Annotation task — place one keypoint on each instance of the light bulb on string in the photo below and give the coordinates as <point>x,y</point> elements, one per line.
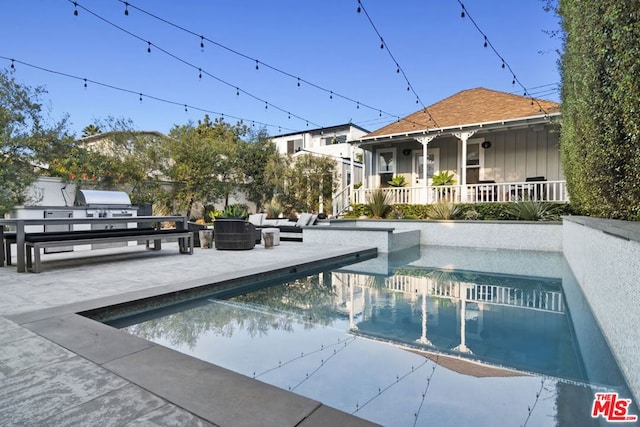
<point>85,83</point>
<point>75,11</point>
<point>298,81</point>
<point>331,95</point>
<point>514,80</point>
<point>486,42</point>
<point>185,108</point>
<point>289,116</point>
<point>381,43</point>
<point>13,67</point>
<point>237,91</point>
<point>257,66</point>
<point>126,9</point>
<point>202,43</point>
<point>266,105</point>
<point>503,65</point>
<point>462,14</point>
<point>200,73</point>
<point>380,113</point>
<point>359,9</point>
<point>358,105</point>
<point>140,97</point>
<point>148,47</point>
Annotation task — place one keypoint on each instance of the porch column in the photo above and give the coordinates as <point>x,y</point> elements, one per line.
<point>425,140</point>
<point>463,136</point>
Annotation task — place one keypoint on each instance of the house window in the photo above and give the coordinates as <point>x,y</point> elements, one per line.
<point>473,155</point>
<point>340,139</point>
<point>294,145</point>
<point>386,162</point>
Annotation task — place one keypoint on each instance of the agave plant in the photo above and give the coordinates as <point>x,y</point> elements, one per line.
<point>235,211</point>
<point>444,210</point>
<point>529,210</point>
<point>378,202</point>
<point>398,181</point>
<point>273,210</point>
<point>444,178</point>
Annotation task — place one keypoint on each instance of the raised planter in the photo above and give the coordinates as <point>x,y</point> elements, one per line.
<point>234,234</point>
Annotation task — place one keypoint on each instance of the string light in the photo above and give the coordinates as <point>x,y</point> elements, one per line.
<point>201,42</point>
<point>399,69</point>
<point>85,83</point>
<point>12,64</point>
<point>126,9</point>
<point>359,9</point>
<point>200,73</point>
<point>148,47</point>
<point>299,79</point>
<point>257,66</point>
<point>504,64</point>
<point>140,94</point>
<point>184,61</point>
<point>75,11</point>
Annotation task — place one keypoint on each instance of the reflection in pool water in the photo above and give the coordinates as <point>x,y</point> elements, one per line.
<point>416,346</point>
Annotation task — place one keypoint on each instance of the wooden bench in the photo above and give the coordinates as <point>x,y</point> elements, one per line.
<point>36,241</point>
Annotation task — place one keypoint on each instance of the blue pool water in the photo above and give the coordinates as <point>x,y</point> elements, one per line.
<point>410,341</point>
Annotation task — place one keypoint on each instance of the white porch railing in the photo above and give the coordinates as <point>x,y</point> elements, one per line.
<point>548,191</point>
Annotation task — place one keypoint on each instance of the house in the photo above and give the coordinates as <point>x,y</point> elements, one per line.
<point>498,147</point>
<point>335,142</point>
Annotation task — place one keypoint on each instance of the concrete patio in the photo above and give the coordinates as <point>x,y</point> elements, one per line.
<point>60,368</point>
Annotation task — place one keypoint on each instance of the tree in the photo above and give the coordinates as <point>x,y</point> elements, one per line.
<point>304,181</point>
<point>27,142</point>
<point>255,157</point>
<point>90,130</point>
<point>205,162</point>
<point>600,139</point>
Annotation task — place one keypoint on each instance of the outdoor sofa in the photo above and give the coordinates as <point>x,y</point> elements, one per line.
<point>290,228</point>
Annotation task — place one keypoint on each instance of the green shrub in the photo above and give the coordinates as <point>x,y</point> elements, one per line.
<point>600,138</point>
<point>443,178</point>
<point>444,210</point>
<point>378,201</point>
<point>528,210</point>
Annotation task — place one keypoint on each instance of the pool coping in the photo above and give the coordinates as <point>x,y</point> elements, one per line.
<point>213,393</point>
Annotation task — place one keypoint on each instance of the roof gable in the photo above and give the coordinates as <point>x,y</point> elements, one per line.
<point>468,107</point>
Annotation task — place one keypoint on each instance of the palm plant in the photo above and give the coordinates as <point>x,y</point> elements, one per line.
<point>235,211</point>
<point>378,202</point>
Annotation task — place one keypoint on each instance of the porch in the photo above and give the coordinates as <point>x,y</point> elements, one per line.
<point>543,191</point>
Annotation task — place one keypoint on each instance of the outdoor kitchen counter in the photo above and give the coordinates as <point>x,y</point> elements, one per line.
<point>19,225</point>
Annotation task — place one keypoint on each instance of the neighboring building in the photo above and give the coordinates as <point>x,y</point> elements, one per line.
<point>336,142</point>
<point>494,143</point>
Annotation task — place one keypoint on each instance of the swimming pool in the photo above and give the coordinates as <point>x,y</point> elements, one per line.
<point>409,340</point>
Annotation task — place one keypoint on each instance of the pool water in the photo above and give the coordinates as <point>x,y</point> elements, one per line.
<point>414,345</point>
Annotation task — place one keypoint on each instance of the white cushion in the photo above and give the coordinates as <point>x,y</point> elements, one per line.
<point>313,220</point>
<point>284,222</point>
<point>303,219</point>
<point>256,219</point>
<point>270,221</point>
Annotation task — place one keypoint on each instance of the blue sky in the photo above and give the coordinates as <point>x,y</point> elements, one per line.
<point>326,43</point>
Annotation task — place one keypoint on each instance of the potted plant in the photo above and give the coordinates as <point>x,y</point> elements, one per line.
<point>232,231</point>
<point>443,178</point>
<point>398,181</point>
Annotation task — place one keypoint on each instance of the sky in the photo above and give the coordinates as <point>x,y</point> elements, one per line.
<point>333,51</point>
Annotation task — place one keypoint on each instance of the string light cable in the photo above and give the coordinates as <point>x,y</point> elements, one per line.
<point>195,67</point>
<point>299,80</point>
<point>141,95</point>
<point>504,64</point>
<point>384,45</point>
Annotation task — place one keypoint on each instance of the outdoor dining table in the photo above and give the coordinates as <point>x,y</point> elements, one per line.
<point>19,224</point>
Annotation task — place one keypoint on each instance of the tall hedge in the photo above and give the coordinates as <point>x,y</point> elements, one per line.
<point>600,139</point>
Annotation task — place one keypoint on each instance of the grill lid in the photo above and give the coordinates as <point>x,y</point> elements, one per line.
<point>102,198</point>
